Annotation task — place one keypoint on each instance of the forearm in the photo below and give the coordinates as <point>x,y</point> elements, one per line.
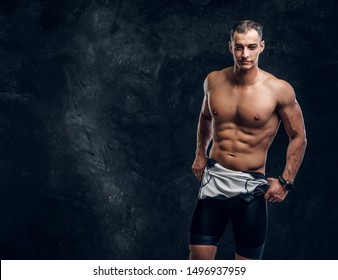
<point>294,157</point>
<point>203,135</point>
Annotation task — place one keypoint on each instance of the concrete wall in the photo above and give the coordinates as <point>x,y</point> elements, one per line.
<point>99,102</point>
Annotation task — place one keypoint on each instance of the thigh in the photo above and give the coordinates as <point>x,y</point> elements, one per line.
<point>208,222</point>
<point>250,223</point>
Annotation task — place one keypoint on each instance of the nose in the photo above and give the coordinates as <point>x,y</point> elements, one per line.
<point>245,53</point>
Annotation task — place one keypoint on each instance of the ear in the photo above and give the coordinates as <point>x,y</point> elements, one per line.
<point>231,47</point>
<point>262,45</point>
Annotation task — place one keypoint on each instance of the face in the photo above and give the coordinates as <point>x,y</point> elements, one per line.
<point>245,48</point>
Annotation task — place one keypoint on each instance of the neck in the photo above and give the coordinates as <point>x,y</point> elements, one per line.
<point>245,76</point>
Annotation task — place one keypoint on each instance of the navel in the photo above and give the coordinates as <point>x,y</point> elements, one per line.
<point>214,112</point>
<point>257,118</point>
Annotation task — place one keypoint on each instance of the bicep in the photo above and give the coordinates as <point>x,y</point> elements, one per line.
<point>291,116</point>
<point>205,111</point>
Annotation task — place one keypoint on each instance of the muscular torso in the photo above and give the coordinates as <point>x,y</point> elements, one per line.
<point>244,120</point>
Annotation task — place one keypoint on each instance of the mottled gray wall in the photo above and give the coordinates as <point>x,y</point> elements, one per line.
<point>99,103</point>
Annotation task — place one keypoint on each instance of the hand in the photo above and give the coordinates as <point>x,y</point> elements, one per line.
<point>198,166</point>
<point>276,192</point>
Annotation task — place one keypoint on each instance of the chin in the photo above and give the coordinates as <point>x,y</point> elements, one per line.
<point>245,67</point>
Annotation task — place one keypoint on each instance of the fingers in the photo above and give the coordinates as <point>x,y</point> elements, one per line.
<point>276,196</point>
<point>197,173</point>
<point>274,199</point>
<point>275,193</point>
<point>198,166</point>
<point>197,170</point>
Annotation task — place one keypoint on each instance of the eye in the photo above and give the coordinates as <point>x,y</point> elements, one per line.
<point>252,47</point>
<point>238,47</point>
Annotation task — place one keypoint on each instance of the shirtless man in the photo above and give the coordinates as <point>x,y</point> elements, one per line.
<point>241,112</point>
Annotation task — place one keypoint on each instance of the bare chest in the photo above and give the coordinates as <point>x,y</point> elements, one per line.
<point>250,108</point>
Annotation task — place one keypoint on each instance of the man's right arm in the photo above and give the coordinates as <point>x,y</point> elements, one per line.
<point>203,135</point>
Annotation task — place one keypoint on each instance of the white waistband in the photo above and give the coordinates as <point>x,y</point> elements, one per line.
<point>220,181</point>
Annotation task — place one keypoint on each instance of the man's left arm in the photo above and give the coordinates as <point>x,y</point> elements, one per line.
<point>292,119</point>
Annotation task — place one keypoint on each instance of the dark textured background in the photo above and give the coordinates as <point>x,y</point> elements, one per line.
<point>99,102</point>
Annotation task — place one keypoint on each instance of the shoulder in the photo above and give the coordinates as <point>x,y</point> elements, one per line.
<point>281,89</point>
<point>219,74</point>
<point>216,77</point>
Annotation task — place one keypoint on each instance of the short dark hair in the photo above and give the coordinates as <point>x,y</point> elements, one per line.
<point>244,26</point>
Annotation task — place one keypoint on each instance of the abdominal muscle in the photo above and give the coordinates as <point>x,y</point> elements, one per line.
<point>236,150</point>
